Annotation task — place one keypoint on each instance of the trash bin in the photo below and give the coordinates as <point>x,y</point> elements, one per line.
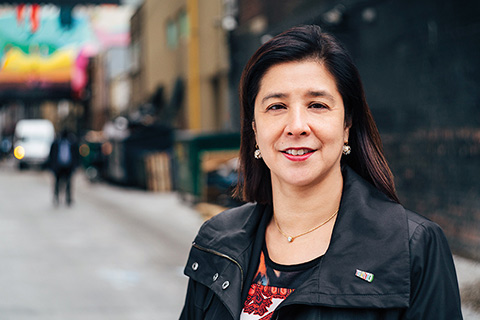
<point>190,149</point>
<point>126,164</point>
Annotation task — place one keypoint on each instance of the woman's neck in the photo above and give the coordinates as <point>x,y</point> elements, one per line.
<point>298,209</point>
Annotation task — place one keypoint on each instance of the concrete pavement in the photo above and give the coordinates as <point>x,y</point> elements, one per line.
<point>468,273</point>
<point>115,254</point>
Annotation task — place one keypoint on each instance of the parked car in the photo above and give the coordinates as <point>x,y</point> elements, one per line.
<point>32,142</point>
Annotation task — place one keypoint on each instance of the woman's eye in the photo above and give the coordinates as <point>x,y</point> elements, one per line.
<point>318,106</point>
<point>276,107</point>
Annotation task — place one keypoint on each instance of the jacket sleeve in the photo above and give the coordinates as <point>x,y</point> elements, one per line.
<point>434,290</point>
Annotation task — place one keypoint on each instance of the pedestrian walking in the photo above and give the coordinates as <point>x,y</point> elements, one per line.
<point>324,235</point>
<point>63,159</point>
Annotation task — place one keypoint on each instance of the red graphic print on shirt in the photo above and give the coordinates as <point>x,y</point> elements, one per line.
<point>262,298</point>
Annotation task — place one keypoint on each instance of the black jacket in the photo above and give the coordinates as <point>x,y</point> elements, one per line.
<point>414,274</point>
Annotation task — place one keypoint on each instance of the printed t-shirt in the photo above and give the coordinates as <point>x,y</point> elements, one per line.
<point>272,284</point>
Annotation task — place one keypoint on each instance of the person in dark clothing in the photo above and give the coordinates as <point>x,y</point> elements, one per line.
<point>324,235</point>
<point>63,159</point>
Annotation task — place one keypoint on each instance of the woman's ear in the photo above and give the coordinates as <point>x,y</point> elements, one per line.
<point>254,127</point>
<point>346,132</point>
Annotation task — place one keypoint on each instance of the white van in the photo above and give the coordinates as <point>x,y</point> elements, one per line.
<point>32,142</point>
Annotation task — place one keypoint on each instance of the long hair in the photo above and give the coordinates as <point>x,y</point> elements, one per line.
<point>298,44</point>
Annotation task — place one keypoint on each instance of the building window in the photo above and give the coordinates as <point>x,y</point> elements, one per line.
<point>135,56</point>
<point>172,34</point>
<point>184,25</point>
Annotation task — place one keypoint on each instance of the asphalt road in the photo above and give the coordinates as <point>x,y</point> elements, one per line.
<point>115,253</point>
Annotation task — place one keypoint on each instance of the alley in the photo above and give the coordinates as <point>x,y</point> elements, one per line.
<point>115,254</point>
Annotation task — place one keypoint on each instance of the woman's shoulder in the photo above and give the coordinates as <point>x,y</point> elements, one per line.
<point>234,221</point>
<point>420,226</point>
<point>231,215</point>
<point>429,248</point>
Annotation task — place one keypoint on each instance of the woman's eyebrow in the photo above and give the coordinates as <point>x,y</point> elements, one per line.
<point>321,93</point>
<point>275,95</point>
<point>311,93</point>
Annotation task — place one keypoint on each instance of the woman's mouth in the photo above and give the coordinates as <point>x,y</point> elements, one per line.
<point>298,154</point>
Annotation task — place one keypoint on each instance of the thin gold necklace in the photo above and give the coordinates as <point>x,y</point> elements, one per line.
<point>290,238</point>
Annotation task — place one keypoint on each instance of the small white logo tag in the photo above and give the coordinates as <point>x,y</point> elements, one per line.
<point>364,275</point>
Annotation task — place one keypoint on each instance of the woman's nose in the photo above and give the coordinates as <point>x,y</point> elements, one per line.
<point>297,123</point>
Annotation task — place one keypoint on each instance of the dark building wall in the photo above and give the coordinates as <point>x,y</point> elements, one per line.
<point>420,64</point>
<point>420,61</point>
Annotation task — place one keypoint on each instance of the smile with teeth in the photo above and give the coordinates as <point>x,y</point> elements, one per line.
<point>298,152</point>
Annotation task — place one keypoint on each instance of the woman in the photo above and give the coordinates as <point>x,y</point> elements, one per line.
<point>325,236</point>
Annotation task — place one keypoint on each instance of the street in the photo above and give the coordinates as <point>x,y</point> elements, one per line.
<point>116,253</point>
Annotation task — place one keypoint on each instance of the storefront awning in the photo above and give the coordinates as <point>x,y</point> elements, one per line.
<point>60,3</point>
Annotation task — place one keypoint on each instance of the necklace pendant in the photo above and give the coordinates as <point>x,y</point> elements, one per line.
<point>289,239</point>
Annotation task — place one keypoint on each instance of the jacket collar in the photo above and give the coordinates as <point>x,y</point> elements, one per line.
<point>227,250</point>
<point>370,235</point>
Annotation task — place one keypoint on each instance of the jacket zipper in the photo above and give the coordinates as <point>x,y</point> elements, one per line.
<point>223,256</point>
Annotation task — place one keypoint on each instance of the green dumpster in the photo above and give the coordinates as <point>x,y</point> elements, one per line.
<point>190,149</point>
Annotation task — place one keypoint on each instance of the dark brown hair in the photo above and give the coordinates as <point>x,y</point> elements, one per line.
<point>297,44</point>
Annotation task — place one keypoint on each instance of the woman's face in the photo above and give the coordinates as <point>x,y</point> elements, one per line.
<point>299,123</point>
